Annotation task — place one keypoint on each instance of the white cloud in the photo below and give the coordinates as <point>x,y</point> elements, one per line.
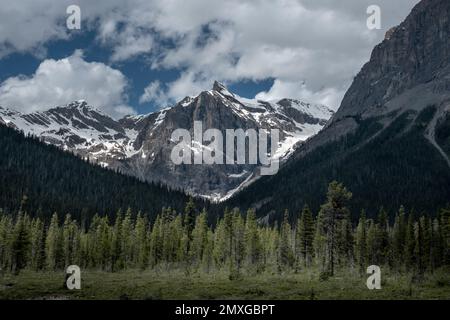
<point>58,82</point>
<point>154,93</point>
<point>321,42</point>
<point>330,97</point>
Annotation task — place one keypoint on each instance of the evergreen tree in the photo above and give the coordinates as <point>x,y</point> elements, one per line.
<point>410,241</point>
<point>140,240</point>
<point>305,237</point>
<point>252,242</point>
<point>383,237</point>
<point>127,239</point>
<point>69,236</point>
<point>361,243</point>
<point>333,212</point>
<point>116,246</point>
<point>199,238</point>
<point>372,244</point>
<point>6,225</point>
<point>53,247</point>
<point>286,255</point>
<point>37,259</point>
<point>445,231</point>
<point>21,243</point>
<point>399,238</point>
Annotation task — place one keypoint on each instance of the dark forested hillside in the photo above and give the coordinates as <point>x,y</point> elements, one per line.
<point>397,166</point>
<point>57,181</point>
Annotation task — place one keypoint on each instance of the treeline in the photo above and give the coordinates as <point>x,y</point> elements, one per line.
<point>238,244</point>
<point>390,166</point>
<point>58,181</point>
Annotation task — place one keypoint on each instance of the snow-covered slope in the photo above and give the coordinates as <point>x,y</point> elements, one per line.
<point>141,145</point>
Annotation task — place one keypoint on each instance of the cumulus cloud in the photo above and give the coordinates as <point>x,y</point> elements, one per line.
<point>298,90</point>
<point>154,92</point>
<point>58,82</point>
<point>321,42</point>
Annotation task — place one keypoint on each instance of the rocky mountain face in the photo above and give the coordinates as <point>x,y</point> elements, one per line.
<point>141,145</point>
<point>389,141</point>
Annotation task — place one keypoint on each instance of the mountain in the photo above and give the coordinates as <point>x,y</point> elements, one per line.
<point>56,181</point>
<point>141,146</point>
<point>389,142</point>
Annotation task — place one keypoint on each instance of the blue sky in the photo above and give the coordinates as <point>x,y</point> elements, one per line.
<point>137,56</point>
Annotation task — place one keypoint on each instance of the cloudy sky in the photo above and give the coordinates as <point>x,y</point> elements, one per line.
<point>136,56</point>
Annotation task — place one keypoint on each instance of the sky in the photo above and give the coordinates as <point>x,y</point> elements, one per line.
<point>137,56</point>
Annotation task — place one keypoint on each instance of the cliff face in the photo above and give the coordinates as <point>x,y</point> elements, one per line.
<point>417,52</point>
<point>389,142</point>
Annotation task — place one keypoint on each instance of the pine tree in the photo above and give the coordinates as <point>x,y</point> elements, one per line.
<point>333,212</point>
<point>436,245</point>
<point>116,246</point>
<point>53,247</point>
<point>372,244</point>
<point>399,238</point>
<point>445,235</point>
<point>21,243</point>
<point>286,255</point>
<point>37,259</point>
<point>156,242</point>
<point>410,241</point>
<point>252,242</point>
<point>199,238</point>
<point>418,246</point>
<point>305,237</point>
<point>6,225</point>
<point>427,241</point>
<point>140,240</point>
<point>383,237</point>
<point>127,239</point>
<point>69,236</point>
<point>361,243</point>
<point>221,244</point>
<point>238,247</point>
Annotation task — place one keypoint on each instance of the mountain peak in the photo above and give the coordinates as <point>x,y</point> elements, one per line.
<point>221,88</point>
<point>217,86</point>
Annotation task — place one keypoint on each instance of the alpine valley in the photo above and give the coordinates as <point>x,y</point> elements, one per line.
<point>141,146</point>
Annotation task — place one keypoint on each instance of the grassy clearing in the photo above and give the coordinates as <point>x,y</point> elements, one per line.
<point>176,285</point>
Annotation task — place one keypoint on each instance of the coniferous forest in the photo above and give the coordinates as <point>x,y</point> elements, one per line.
<point>52,180</point>
<point>59,210</point>
<point>237,244</point>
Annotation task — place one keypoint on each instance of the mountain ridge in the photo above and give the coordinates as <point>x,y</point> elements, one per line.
<point>140,145</point>
<point>389,140</point>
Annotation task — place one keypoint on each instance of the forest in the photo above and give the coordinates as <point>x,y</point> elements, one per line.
<point>238,244</point>
<point>53,180</point>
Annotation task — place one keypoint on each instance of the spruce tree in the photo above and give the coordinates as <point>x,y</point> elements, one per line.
<point>252,242</point>
<point>410,241</point>
<point>445,235</point>
<point>399,238</point>
<point>361,243</point>
<point>140,240</point>
<point>21,243</point>
<point>53,245</point>
<point>286,255</point>
<point>383,236</point>
<point>37,259</point>
<point>199,238</point>
<point>304,237</point>
<point>333,212</point>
